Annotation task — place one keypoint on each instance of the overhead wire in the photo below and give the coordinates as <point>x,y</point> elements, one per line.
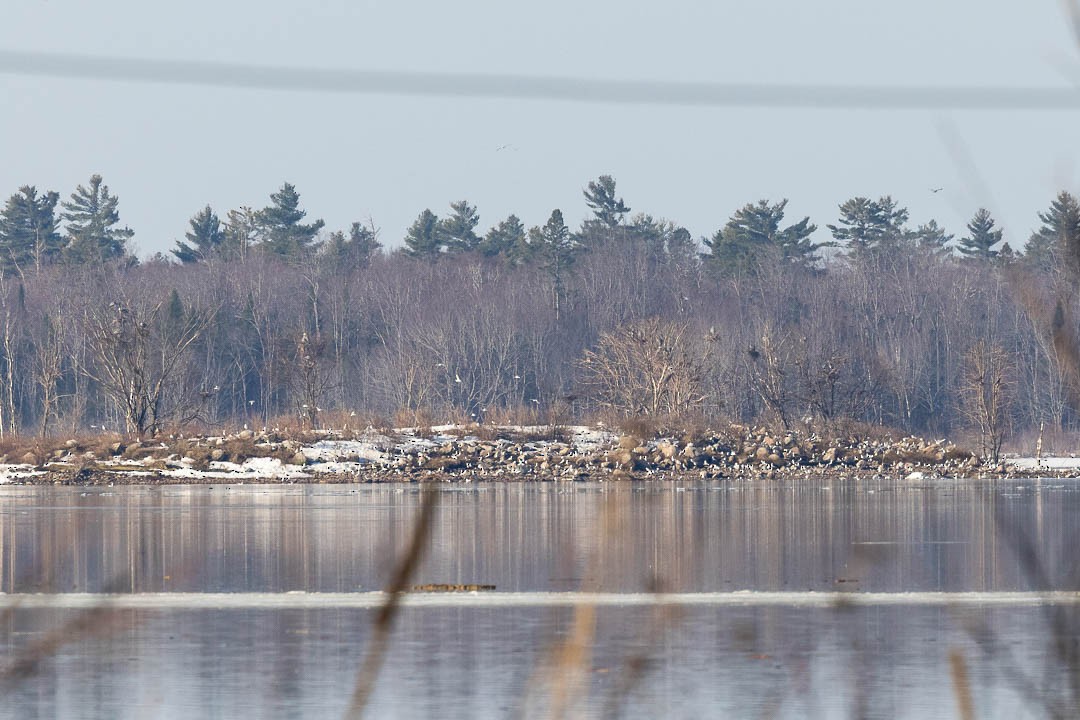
<point>538,87</point>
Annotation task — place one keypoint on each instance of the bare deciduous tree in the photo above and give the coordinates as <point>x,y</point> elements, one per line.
<point>138,342</point>
<point>651,367</point>
<point>987,394</point>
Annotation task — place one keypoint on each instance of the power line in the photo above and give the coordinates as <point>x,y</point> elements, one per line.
<point>530,87</point>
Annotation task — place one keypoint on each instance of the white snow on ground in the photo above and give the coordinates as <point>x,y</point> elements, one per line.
<point>17,472</point>
<point>335,450</point>
<point>349,457</point>
<point>339,457</point>
<point>582,437</point>
<point>251,469</point>
<point>587,439</point>
<point>1049,463</point>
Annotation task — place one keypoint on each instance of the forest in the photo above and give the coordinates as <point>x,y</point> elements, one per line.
<point>264,317</point>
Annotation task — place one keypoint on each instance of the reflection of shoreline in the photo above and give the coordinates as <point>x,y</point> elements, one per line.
<point>370,600</point>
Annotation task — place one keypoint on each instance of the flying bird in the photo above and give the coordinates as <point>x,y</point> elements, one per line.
<point>936,190</point>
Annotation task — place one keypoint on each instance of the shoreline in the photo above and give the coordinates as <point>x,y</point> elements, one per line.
<point>465,454</point>
<point>102,478</point>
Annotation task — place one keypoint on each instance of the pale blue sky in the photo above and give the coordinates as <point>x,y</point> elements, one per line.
<point>169,150</point>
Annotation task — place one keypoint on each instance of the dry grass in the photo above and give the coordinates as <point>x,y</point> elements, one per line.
<point>526,414</point>
<point>965,704</point>
<point>384,620</point>
<point>406,417</point>
<point>689,426</point>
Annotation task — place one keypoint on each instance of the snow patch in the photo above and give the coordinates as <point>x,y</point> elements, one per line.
<point>9,473</point>
<point>251,469</point>
<point>1048,463</point>
<point>337,450</point>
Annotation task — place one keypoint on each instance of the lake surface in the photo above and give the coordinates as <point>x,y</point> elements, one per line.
<point>716,651</point>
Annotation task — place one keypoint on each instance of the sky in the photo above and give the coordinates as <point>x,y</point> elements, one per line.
<point>168,150</point>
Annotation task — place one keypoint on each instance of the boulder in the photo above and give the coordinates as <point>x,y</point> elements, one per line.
<point>666,449</point>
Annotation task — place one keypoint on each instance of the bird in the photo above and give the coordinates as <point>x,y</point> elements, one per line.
<point>936,190</point>
<point>457,378</point>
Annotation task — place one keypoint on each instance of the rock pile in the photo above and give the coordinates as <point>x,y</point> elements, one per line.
<point>571,454</point>
<point>712,456</point>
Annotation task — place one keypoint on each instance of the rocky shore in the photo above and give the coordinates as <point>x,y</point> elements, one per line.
<point>485,453</point>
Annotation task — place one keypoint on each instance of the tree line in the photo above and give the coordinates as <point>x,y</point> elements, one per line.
<point>263,314</point>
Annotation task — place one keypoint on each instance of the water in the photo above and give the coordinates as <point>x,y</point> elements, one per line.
<point>277,650</point>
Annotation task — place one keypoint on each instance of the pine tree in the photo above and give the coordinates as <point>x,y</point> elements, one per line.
<point>554,250</point>
<point>753,235</point>
<point>682,251</point>
<point>1058,240</point>
<point>982,237</point>
<point>506,240</point>
<point>651,233</point>
<point>608,214</point>
<point>932,238</point>
<point>91,217</point>
<point>356,250</point>
<point>608,210</point>
<point>458,231</point>
<point>870,225</point>
<point>1006,255</point>
<point>242,231</point>
<point>205,238</point>
<point>28,230</point>
<point>282,232</point>
<point>422,239</point>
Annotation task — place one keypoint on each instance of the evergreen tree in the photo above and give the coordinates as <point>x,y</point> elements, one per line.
<point>651,233</point>
<point>458,232</point>
<point>1007,255</point>
<point>869,225</point>
<point>422,239</point>
<point>981,238</point>
<point>608,211</point>
<point>173,318</point>
<point>753,234</point>
<point>932,238</point>
<point>682,251</point>
<point>242,231</point>
<point>92,218</point>
<point>204,239</point>
<point>282,232</point>
<point>1059,237</point>
<point>554,250</point>
<point>356,250</point>
<point>506,240</point>
<point>28,230</point>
